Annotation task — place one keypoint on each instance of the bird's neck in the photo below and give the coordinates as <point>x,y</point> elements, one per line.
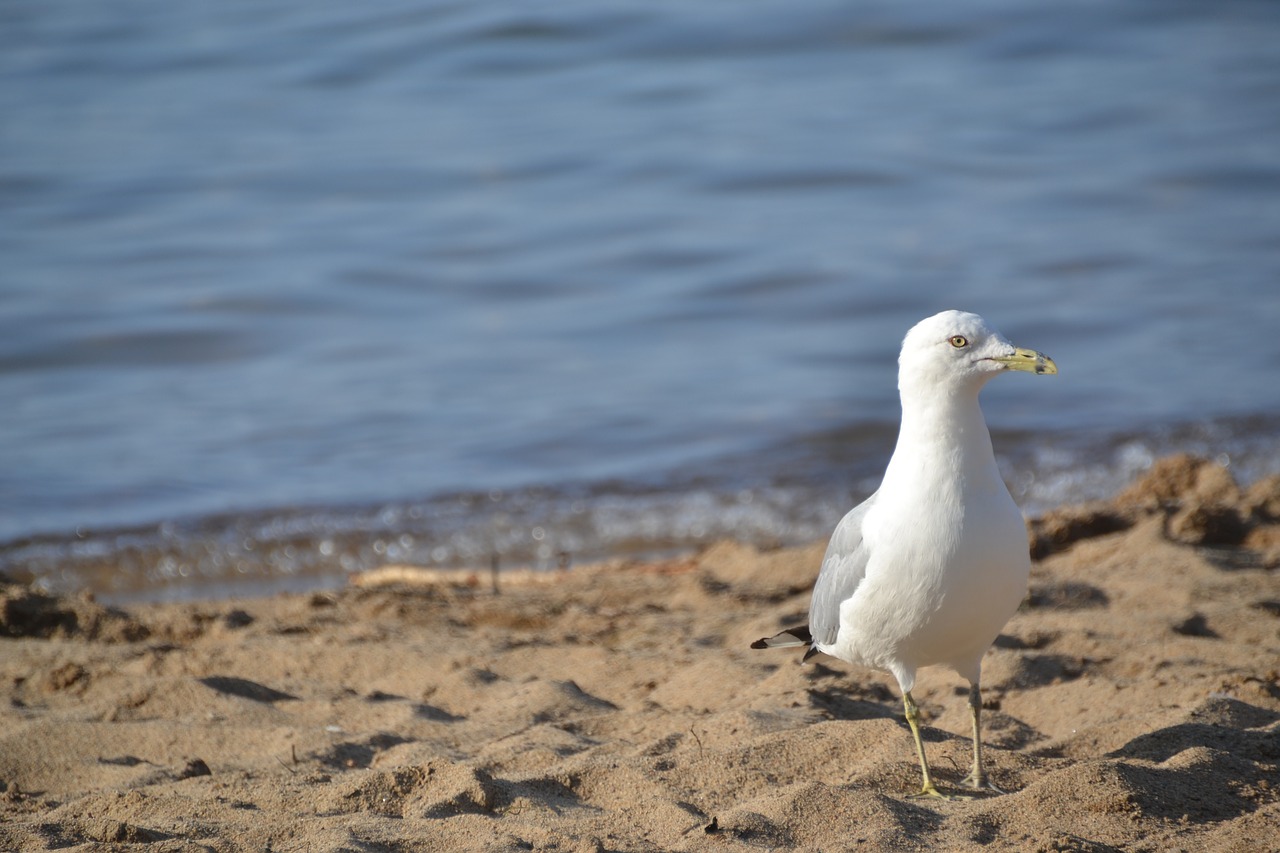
<point>943,435</point>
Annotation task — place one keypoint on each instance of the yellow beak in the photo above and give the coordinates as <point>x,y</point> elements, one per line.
<point>1028,360</point>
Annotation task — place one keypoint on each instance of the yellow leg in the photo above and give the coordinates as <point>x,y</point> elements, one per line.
<point>913,720</point>
<point>977,778</point>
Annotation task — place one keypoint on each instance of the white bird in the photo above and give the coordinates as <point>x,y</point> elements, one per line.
<point>929,568</point>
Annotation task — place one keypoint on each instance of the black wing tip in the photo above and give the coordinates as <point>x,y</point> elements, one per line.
<point>798,636</point>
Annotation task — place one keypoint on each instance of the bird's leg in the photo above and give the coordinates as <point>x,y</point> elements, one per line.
<point>913,719</point>
<point>977,778</point>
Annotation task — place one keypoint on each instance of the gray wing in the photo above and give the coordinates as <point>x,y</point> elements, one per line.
<point>843,567</point>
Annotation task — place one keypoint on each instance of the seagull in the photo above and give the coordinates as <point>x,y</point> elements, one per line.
<point>928,569</point>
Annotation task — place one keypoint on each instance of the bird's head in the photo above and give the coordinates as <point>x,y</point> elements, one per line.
<point>956,350</point>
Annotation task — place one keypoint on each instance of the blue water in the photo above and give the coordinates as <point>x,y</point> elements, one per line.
<point>288,289</point>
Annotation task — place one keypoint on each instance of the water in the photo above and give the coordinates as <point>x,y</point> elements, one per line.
<point>290,289</point>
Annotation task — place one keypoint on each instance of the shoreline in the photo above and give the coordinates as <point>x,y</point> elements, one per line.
<point>1133,702</point>
<point>794,496</point>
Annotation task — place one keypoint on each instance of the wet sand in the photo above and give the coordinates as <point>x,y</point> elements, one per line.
<point>1132,703</point>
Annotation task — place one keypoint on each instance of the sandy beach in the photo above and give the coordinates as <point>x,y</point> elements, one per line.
<point>1133,703</point>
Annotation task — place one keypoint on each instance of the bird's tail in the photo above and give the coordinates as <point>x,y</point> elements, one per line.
<point>785,640</point>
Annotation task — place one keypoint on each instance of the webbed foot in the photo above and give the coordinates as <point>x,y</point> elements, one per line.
<point>930,791</point>
<point>981,783</point>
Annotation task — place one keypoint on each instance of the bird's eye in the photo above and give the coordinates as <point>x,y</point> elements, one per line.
<point>959,341</point>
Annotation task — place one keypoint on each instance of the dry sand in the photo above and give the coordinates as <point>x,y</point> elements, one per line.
<point>1132,703</point>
